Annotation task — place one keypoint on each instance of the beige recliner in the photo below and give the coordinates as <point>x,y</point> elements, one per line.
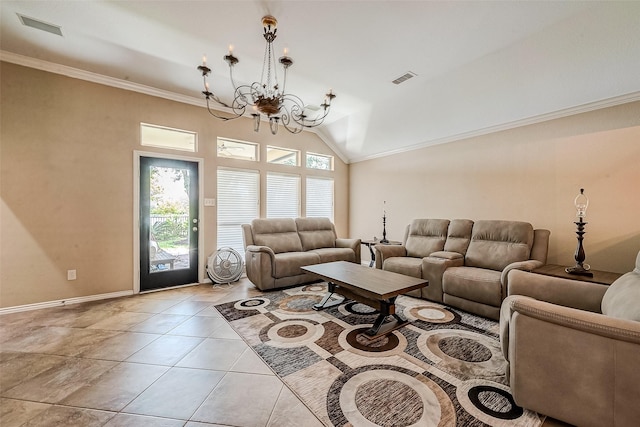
<point>466,262</point>
<point>573,351</point>
<point>276,248</point>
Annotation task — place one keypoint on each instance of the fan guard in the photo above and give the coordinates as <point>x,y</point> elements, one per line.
<point>225,266</point>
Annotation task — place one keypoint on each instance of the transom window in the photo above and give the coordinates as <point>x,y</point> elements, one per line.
<point>283,156</point>
<point>164,137</point>
<point>233,149</point>
<point>319,161</point>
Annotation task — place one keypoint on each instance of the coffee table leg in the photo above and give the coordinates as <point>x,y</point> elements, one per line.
<point>379,326</point>
<point>325,301</point>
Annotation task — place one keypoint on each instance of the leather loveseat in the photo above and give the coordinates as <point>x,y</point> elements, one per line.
<point>573,347</point>
<point>466,262</point>
<point>275,249</point>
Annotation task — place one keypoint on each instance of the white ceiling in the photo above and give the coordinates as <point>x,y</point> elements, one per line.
<point>481,65</point>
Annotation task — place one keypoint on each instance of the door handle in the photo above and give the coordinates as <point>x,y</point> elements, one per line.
<point>195,228</point>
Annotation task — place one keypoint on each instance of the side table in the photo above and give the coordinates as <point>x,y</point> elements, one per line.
<point>371,243</point>
<point>600,277</point>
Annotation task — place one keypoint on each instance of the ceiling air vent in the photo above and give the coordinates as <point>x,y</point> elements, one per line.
<point>40,25</point>
<point>404,77</point>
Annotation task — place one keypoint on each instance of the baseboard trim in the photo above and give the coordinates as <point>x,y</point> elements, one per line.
<point>63,302</point>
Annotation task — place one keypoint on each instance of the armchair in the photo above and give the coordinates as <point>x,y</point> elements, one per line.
<point>577,362</point>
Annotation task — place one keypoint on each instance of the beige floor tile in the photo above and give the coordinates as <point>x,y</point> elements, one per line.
<point>62,416</point>
<point>14,413</point>
<point>160,323</point>
<point>129,420</point>
<point>290,412</point>
<point>166,350</point>
<point>225,331</point>
<point>199,326</point>
<point>188,307</point>
<point>24,367</point>
<point>116,388</point>
<point>55,384</point>
<point>213,353</point>
<point>198,424</point>
<point>77,341</point>
<point>152,305</point>
<point>119,347</point>
<point>209,312</point>
<point>250,363</point>
<point>121,321</point>
<point>177,394</point>
<point>241,400</point>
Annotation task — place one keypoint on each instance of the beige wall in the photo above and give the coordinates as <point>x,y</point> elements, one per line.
<point>67,180</point>
<point>530,174</point>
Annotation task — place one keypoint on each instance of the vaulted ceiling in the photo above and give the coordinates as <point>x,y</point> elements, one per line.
<point>480,66</point>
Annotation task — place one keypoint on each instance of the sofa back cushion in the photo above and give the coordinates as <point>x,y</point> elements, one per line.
<point>426,236</point>
<point>459,236</point>
<point>622,298</point>
<point>279,234</point>
<point>316,233</point>
<point>496,244</point>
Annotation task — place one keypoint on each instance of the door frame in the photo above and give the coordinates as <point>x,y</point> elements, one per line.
<point>136,212</point>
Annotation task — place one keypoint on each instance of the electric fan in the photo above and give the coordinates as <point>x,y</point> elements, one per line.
<point>224,266</point>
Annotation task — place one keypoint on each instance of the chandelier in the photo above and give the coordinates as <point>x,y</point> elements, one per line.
<point>267,96</point>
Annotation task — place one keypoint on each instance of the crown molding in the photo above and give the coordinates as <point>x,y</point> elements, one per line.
<point>89,76</point>
<point>77,73</point>
<point>584,108</point>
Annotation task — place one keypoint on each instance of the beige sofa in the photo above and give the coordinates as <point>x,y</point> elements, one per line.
<point>275,249</point>
<point>466,262</point>
<point>574,348</point>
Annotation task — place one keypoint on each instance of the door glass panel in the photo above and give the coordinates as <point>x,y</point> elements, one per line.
<point>169,219</point>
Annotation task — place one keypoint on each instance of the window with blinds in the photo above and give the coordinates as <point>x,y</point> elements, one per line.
<point>320,197</point>
<point>283,195</point>
<point>238,203</point>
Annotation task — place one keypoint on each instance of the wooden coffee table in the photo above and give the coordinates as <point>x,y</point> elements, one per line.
<point>376,288</point>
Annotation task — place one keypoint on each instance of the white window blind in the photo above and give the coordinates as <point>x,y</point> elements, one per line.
<point>283,195</point>
<point>238,203</point>
<point>320,197</point>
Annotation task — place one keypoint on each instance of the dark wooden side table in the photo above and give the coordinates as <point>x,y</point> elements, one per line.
<point>600,277</point>
<point>371,243</point>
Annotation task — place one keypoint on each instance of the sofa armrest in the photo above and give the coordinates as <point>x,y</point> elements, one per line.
<point>354,244</point>
<point>433,268</point>
<point>580,320</point>
<point>528,265</point>
<point>557,290</point>
<point>388,251</point>
<point>264,250</point>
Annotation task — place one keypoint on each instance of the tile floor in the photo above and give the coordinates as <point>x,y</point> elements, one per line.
<point>160,359</point>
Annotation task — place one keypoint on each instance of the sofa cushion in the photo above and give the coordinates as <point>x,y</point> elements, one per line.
<point>459,236</point>
<point>404,265</point>
<point>335,254</point>
<point>475,284</point>
<point>289,263</point>
<point>281,235</point>
<point>496,244</point>
<point>622,299</point>
<point>316,233</point>
<point>426,236</point>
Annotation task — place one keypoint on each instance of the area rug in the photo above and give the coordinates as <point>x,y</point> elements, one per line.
<point>445,368</point>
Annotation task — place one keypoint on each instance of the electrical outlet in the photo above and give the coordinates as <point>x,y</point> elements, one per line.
<point>71,275</point>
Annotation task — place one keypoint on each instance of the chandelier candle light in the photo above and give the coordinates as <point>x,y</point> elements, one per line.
<point>267,96</point>
<point>581,202</point>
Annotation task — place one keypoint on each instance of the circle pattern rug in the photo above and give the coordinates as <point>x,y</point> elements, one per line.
<point>444,368</point>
